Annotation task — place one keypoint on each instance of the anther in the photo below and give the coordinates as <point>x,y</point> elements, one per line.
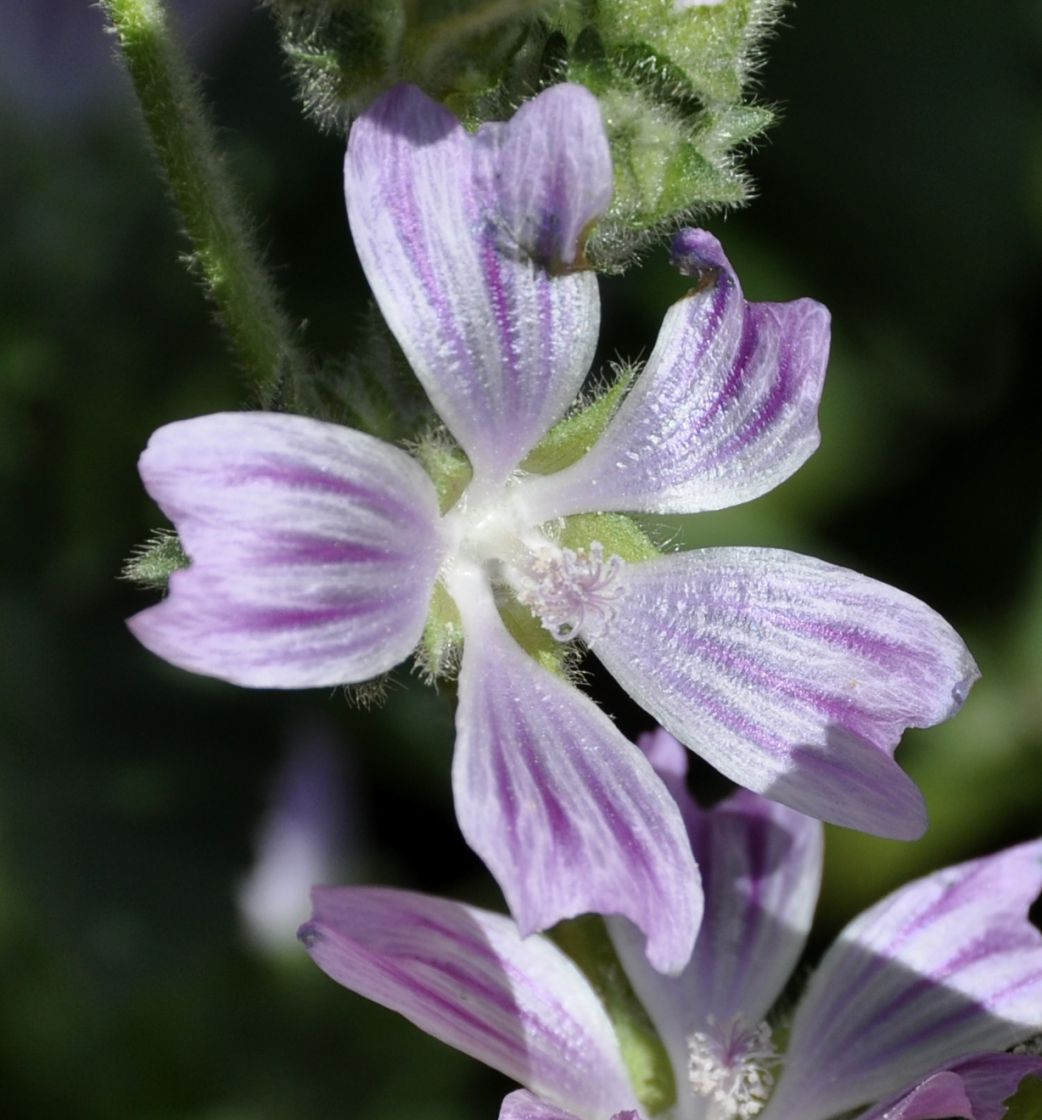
<point>732,1068</point>
<point>572,592</point>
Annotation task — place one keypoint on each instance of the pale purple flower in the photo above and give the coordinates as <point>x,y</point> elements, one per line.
<point>316,549</point>
<point>908,1014</point>
<point>309,834</point>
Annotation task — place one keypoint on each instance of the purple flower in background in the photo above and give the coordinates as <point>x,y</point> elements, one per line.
<point>907,1015</point>
<point>310,833</point>
<point>316,550</point>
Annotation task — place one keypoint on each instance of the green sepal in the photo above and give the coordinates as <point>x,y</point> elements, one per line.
<point>1026,1103</point>
<point>448,467</point>
<point>535,639</point>
<point>618,534</point>
<point>666,164</point>
<point>442,640</point>
<point>672,84</point>
<point>586,941</point>
<point>340,50</point>
<point>569,439</point>
<point>345,53</point>
<point>725,127</point>
<point>152,563</point>
<point>714,46</point>
<point>672,142</point>
<point>463,46</point>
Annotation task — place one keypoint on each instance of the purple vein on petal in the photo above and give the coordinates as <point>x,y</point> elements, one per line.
<point>441,227</point>
<point>725,409</point>
<point>567,814</point>
<point>313,550</point>
<point>465,976</point>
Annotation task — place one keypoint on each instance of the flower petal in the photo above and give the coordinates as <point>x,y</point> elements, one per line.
<point>940,1097</point>
<point>468,978</point>
<point>976,1088</point>
<point>521,1105</point>
<point>313,550</point>
<point>943,967</point>
<point>725,410</point>
<point>793,677</point>
<point>761,872</point>
<point>467,242</point>
<point>567,813</point>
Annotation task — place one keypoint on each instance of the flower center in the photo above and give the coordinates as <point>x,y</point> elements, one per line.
<point>732,1068</point>
<point>572,591</point>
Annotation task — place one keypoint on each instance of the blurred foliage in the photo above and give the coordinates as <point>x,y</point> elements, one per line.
<point>901,187</point>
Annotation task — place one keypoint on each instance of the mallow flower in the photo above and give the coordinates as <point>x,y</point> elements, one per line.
<point>309,833</point>
<point>322,556</point>
<point>908,1016</point>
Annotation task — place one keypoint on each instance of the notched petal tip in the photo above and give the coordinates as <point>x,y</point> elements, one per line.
<point>725,409</point>
<point>552,176</point>
<point>313,550</point>
<point>450,228</point>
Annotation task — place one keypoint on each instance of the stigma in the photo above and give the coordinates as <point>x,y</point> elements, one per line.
<point>572,591</point>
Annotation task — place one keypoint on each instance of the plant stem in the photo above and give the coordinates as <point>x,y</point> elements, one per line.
<point>225,251</point>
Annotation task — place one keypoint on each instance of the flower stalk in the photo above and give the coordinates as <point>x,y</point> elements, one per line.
<point>225,253</point>
<point>586,940</point>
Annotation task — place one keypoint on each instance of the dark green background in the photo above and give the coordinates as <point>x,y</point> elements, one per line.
<point>902,187</point>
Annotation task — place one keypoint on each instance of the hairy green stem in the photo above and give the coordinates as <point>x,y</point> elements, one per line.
<point>225,252</point>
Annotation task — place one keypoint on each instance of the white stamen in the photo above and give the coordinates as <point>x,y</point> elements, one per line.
<point>571,591</point>
<point>732,1068</point>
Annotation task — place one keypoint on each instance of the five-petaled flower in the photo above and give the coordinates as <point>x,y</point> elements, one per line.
<point>909,1013</point>
<point>316,550</point>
